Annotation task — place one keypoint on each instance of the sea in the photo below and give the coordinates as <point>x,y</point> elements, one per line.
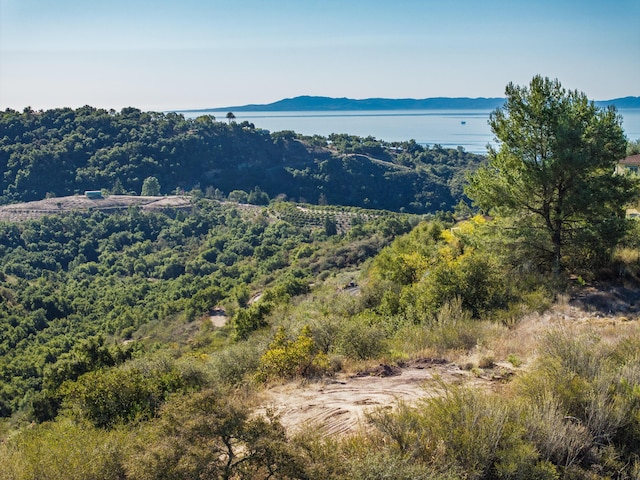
<point>468,129</point>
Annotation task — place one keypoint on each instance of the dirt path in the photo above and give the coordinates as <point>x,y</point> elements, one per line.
<point>339,405</point>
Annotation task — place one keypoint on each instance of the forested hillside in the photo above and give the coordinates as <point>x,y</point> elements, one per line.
<point>62,152</point>
<point>68,278</point>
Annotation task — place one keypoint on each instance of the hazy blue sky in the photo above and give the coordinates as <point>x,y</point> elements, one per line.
<point>160,55</point>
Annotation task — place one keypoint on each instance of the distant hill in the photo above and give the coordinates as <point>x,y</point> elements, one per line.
<point>625,102</point>
<point>312,103</point>
<point>63,152</point>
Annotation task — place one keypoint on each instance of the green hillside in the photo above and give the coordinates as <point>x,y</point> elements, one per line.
<point>71,277</point>
<point>109,348</point>
<point>63,152</point>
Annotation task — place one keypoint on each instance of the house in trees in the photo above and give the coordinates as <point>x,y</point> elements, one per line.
<point>629,164</point>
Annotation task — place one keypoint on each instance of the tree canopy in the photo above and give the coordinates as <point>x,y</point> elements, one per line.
<point>150,187</point>
<point>554,172</point>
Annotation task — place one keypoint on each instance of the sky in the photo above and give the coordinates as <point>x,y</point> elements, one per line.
<point>189,54</point>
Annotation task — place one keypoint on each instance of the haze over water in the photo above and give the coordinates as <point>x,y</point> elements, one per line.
<point>448,128</point>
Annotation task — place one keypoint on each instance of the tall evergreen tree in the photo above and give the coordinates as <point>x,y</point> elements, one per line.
<point>554,171</point>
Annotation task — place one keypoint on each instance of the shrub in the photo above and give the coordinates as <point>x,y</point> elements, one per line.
<point>557,438</point>
<point>592,385</point>
<point>470,432</point>
<point>212,434</point>
<point>131,392</point>
<point>250,319</point>
<point>361,338</point>
<point>234,363</point>
<point>514,360</point>
<point>287,358</point>
<point>453,328</point>
<point>64,450</point>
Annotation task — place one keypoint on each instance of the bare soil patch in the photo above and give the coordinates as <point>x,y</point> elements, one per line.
<point>80,203</point>
<point>338,405</point>
<point>218,317</point>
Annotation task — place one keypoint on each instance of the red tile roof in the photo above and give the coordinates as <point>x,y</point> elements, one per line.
<point>632,160</point>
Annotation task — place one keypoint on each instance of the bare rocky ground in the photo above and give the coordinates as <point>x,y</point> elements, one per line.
<point>80,203</point>
<point>339,405</point>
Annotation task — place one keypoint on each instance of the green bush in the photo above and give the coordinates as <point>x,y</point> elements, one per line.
<point>469,432</point>
<point>361,338</point>
<point>64,450</point>
<point>558,439</point>
<point>212,434</point>
<point>286,358</point>
<point>134,391</point>
<point>586,394</point>
<point>248,320</point>
<point>233,364</point>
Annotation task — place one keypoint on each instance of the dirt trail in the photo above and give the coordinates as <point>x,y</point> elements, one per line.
<point>338,405</point>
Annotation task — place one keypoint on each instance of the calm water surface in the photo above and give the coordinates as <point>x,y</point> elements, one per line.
<point>449,128</point>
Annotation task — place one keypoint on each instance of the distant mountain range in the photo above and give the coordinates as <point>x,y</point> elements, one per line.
<point>310,103</point>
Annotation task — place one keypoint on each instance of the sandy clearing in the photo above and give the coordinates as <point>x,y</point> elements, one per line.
<point>218,317</point>
<point>80,203</point>
<point>338,405</point>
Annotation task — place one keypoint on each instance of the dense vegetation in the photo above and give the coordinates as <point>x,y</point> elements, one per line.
<point>70,278</point>
<point>61,152</point>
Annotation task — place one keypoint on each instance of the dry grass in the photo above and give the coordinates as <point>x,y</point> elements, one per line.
<point>516,348</point>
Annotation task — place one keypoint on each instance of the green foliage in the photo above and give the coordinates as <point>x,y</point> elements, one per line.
<point>453,328</point>
<point>236,363</point>
<point>248,320</point>
<point>150,187</point>
<point>149,278</point>
<point>287,358</point>
<point>361,338</point>
<point>171,404</point>
<point>514,360</point>
<point>64,450</point>
<point>423,271</point>
<point>212,434</point>
<point>553,173</point>
<point>258,197</point>
<point>239,196</point>
<point>595,384</point>
<point>134,391</point>
<point>89,355</point>
<point>465,432</point>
